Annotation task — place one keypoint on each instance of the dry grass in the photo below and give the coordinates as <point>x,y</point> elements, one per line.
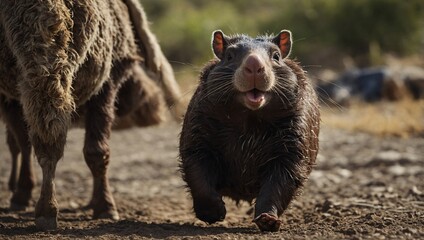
<point>402,119</point>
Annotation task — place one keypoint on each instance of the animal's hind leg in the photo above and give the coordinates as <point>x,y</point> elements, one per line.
<point>14,152</point>
<point>98,122</point>
<point>18,142</point>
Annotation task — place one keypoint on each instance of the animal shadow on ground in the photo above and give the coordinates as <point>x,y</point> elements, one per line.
<point>163,230</point>
<point>102,227</point>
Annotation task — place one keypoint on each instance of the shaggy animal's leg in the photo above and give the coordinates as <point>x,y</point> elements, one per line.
<point>18,141</point>
<point>48,155</point>
<point>274,196</point>
<point>26,181</point>
<point>98,123</point>
<point>14,152</point>
<point>22,195</point>
<point>201,178</point>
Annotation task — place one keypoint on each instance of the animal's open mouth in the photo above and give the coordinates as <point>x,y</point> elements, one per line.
<point>255,96</point>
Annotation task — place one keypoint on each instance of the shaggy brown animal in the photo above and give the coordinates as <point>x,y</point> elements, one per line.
<point>140,102</point>
<point>63,60</point>
<point>251,129</point>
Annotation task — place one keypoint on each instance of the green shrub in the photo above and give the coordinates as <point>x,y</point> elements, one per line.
<point>354,27</point>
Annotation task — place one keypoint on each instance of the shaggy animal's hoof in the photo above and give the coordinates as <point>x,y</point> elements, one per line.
<point>17,207</point>
<point>46,223</point>
<point>20,200</point>
<point>111,214</point>
<point>267,222</point>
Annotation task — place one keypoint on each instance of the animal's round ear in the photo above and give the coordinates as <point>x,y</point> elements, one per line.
<point>219,43</point>
<point>284,41</point>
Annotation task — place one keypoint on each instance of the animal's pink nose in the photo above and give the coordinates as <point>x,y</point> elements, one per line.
<point>253,66</point>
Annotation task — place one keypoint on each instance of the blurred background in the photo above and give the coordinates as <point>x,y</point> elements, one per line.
<point>366,61</point>
<point>366,58</point>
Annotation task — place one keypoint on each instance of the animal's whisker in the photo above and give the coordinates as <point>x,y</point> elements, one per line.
<point>215,90</point>
<point>281,95</point>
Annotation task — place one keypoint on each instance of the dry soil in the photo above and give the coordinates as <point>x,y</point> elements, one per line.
<point>363,187</point>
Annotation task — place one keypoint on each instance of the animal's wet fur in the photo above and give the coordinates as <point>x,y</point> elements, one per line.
<point>229,150</point>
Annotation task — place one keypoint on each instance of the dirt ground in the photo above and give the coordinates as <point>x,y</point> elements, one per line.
<point>363,187</point>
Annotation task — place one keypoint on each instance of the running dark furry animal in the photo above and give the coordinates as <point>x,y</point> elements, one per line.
<point>251,129</point>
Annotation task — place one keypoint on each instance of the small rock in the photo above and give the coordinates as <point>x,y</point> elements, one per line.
<point>387,156</point>
<point>344,173</point>
<point>73,204</point>
<point>414,191</point>
<point>371,216</point>
<point>388,220</point>
<point>350,231</point>
<point>326,205</point>
<point>410,230</point>
<point>397,170</point>
<point>392,157</point>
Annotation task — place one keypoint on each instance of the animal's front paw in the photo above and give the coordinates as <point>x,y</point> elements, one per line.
<point>268,222</point>
<point>210,210</point>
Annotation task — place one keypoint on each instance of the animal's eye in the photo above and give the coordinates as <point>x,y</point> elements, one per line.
<point>230,56</point>
<point>276,56</point>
